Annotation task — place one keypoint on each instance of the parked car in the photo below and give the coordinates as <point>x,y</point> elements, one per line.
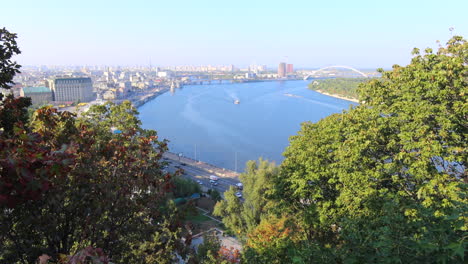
<point>199,182</point>
<point>214,178</point>
<point>215,183</point>
<point>239,194</point>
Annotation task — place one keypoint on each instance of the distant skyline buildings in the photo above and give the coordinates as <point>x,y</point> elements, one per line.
<point>282,70</point>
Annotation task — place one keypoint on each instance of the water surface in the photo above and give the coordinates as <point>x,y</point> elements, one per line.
<point>202,121</point>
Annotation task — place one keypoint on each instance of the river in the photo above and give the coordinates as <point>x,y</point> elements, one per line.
<point>203,122</point>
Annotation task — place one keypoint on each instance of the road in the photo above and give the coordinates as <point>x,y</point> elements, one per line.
<point>201,171</point>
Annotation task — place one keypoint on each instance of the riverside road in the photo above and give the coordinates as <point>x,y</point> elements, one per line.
<point>196,170</point>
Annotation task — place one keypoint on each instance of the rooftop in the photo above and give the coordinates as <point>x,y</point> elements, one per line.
<point>73,78</point>
<point>39,89</point>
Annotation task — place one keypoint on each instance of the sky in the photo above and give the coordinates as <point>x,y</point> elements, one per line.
<point>308,33</point>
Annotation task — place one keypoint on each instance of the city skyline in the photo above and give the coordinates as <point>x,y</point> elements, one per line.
<point>361,34</point>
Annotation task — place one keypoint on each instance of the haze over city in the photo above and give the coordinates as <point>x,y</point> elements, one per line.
<point>308,33</point>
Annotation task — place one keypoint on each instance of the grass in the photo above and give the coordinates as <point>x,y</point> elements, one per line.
<point>199,218</point>
<point>201,222</point>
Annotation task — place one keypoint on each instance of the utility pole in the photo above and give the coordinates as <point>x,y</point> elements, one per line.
<point>235,163</point>
<point>195,152</point>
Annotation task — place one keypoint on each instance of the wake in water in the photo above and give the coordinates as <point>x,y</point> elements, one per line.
<point>293,95</point>
<point>232,94</point>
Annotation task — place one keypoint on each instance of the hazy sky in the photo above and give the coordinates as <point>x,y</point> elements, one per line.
<point>309,33</point>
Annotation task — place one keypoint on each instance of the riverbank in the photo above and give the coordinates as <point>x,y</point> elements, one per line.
<point>148,97</point>
<point>338,96</point>
<point>222,172</point>
<point>142,98</point>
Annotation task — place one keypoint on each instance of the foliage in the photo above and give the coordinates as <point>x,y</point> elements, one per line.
<point>243,217</point>
<point>112,195</point>
<point>229,255</point>
<point>258,185</point>
<point>8,68</point>
<point>27,163</point>
<point>386,180</point>
<point>184,187</point>
<point>215,195</point>
<point>86,255</point>
<point>347,87</point>
<point>70,185</point>
<point>230,209</point>
<point>212,252</point>
<point>123,117</point>
<point>272,241</point>
<point>210,246</point>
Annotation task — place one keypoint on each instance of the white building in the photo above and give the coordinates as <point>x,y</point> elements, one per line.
<point>72,89</point>
<point>164,74</point>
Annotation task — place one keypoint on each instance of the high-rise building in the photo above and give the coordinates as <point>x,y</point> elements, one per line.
<point>72,89</point>
<point>289,68</point>
<point>282,69</point>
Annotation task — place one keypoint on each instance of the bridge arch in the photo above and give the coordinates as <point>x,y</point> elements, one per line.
<point>339,66</point>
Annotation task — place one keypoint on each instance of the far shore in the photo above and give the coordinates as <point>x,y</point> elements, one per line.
<point>338,96</point>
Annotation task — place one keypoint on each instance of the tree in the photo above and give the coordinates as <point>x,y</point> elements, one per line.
<point>257,186</point>
<point>341,86</point>
<point>209,248</point>
<point>215,195</point>
<point>185,187</point>
<point>8,68</point>
<point>230,209</point>
<point>71,187</point>
<point>26,165</point>
<point>279,240</point>
<point>386,180</point>
<point>113,195</point>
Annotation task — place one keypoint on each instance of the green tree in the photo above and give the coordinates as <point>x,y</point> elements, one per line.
<point>258,185</point>
<point>184,187</point>
<point>386,181</point>
<point>243,217</point>
<point>209,248</point>
<point>215,195</point>
<point>230,210</point>
<point>8,68</point>
<point>347,87</point>
<point>123,117</point>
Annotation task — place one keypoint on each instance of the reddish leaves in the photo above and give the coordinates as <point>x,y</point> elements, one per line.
<point>27,161</point>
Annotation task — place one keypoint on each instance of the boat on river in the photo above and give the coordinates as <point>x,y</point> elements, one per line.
<point>293,95</point>
<point>236,102</point>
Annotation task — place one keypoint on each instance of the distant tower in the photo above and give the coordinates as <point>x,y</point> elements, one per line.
<point>282,70</point>
<point>289,68</point>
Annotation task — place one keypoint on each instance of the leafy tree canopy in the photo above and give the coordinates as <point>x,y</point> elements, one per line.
<point>386,180</point>
<point>347,87</point>
<point>8,68</point>
<point>243,217</point>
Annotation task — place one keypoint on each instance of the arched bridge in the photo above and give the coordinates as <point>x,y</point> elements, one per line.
<point>339,67</point>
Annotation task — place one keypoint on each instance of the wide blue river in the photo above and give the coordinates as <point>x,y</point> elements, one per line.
<point>203,122</point>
